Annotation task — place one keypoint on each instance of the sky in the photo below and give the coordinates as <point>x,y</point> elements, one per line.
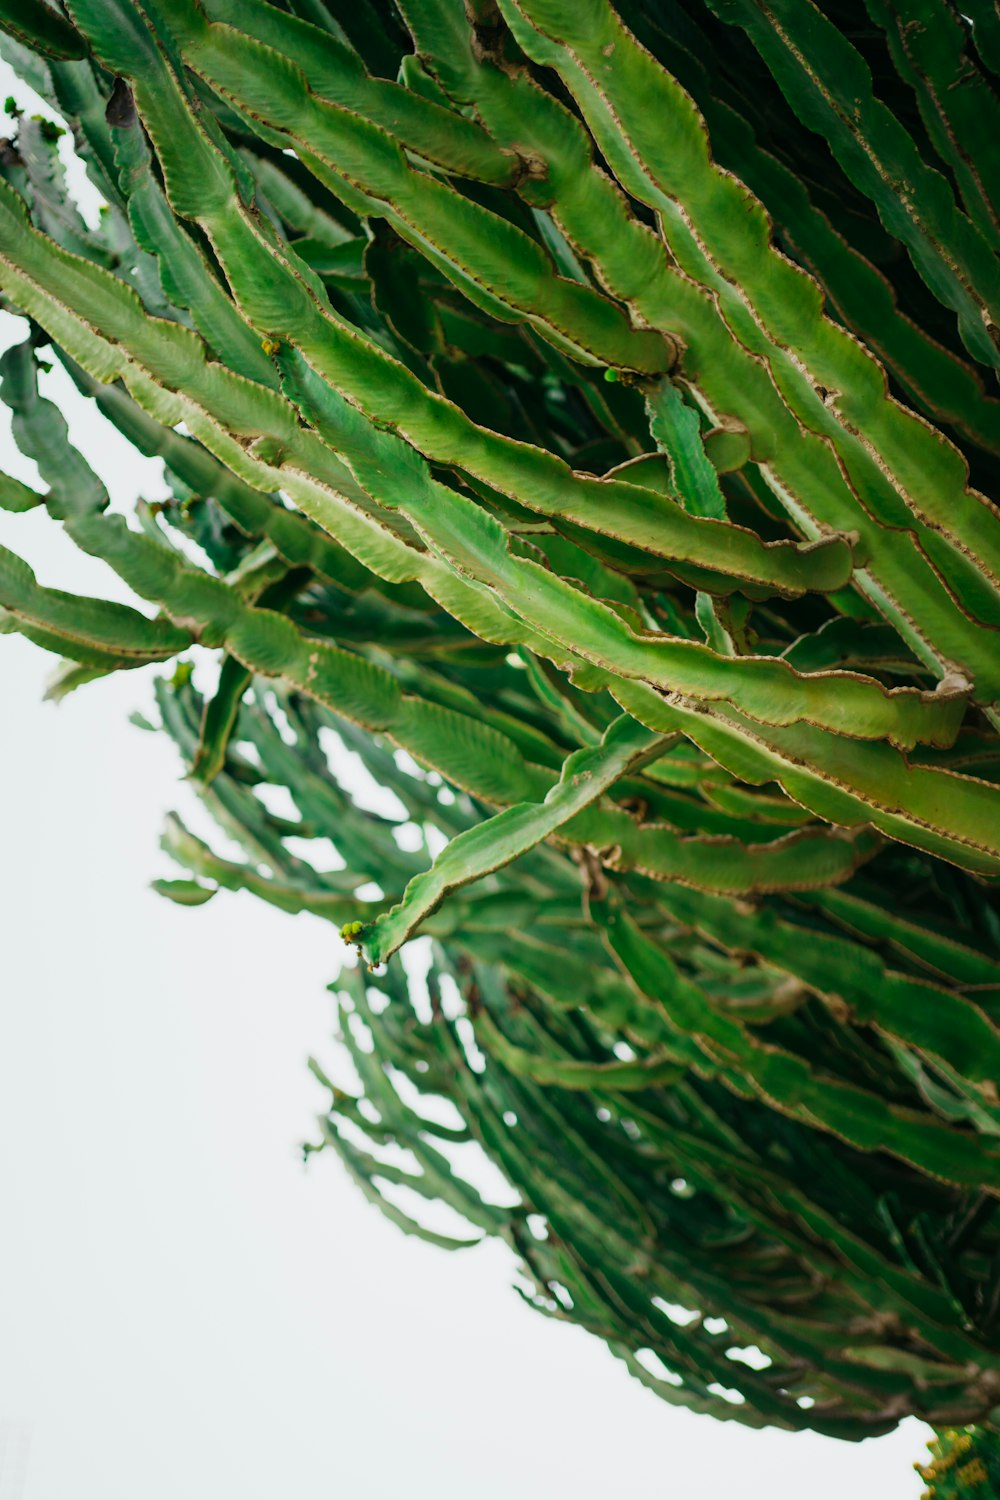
<point>185,1307</point>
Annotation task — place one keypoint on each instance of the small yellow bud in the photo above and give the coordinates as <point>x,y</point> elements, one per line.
<point>270,346</point>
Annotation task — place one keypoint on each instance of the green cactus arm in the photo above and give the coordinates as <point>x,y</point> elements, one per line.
<point>219,720</point>
<point>917,1301</point>
<point>651,1071</point>
<point>366,845</point>
<point>733,229</point>
<point>985,31</point>
<point>16,496</point>
<point>444,40</point>
<point>437,1180</point>
<point>183,892</point>
<point>335,73</point>
<point>944,386</point>
<point>865,1120</point>
<point>168,350</point>
<point>363,1168</point>
<point>470,243</point>
<point>585,776</point>
<point>914,1293</point>
<point>79,623</point>
<point>829,86</point>
<point>84,661</point>
<point>894,789</point>
<point>176,332</point>
<point>299,540</point>
<point>471,754</point>
<point>941,1024</point>
<point>932,50</point>
<point>798,462</point>
<point>233,404</point>
<point>800,860</point>
<point>38,172</point>
<point>184,272</point>
<point>108,362</point>
<point>460,529</point>
<point>675,427</point>
<point>262,641</point>
<point>382,387</point>
<point>945,813</point>
<point>41,28</point>
<point>602,1245</point>
<point>909,1296</point>
<point>945,955</point>
<point>40,431</point>
<point>194,854</point>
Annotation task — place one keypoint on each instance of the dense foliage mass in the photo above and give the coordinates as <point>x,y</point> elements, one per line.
<point>597,405</point>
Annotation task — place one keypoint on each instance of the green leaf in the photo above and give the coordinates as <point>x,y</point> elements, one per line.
<point>184,892</point>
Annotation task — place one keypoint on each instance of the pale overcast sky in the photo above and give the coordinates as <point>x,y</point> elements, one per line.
<point>185,1310</point>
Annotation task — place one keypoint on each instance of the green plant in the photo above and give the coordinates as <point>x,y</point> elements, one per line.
<point>964,1462</point>
<point>635,487</point>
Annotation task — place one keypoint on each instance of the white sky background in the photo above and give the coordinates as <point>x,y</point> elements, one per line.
<point>185,1310</point>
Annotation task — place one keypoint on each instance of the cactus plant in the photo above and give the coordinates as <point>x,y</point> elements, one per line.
<point>964,1462</point>
<point>587,415</point>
